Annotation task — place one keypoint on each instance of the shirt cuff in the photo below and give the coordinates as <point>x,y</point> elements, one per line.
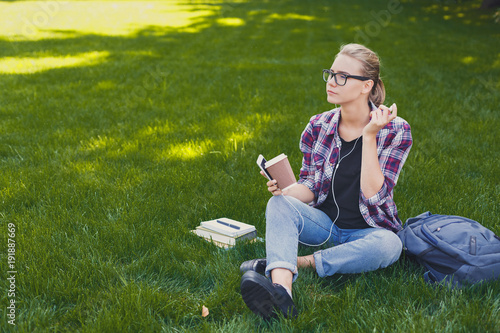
<point>307,182</point>
<point>378,199</point>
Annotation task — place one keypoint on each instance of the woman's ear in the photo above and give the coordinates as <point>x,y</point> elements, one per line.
<point>367,87</point>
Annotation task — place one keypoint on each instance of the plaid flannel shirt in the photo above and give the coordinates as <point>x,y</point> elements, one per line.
<point>320,144</point>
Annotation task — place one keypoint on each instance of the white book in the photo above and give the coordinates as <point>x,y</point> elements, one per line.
<point>228,227</point>
<point>223,239</point>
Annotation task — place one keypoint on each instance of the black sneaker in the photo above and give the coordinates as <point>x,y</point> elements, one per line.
<point>256,265</point>
<point>265,298</point>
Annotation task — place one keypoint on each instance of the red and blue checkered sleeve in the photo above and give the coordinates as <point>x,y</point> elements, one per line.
<point>306,176</point>
<point>394,144</point>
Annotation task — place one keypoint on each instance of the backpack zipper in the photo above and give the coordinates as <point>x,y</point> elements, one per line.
<point>428,235</point>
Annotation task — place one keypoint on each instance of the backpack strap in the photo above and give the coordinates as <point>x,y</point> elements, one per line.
<point>430,278</point>
<point>417,218</point>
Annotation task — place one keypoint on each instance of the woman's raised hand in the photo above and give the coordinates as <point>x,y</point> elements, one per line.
<point>380,118</point>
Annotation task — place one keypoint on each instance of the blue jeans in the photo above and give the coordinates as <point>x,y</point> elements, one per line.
<point>290,221</point>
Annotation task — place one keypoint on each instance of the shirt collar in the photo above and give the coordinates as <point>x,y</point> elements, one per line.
<point>336,115</point>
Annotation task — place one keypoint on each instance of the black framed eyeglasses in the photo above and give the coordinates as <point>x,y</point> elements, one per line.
<point>341,78</point>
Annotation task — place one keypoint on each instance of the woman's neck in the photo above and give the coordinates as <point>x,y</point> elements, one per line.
<point>355,115</point>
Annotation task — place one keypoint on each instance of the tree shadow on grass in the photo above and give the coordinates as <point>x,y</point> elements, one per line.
<point>158,69</point>
<point>205,97</point>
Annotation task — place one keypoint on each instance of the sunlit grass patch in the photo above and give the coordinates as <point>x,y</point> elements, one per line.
<point>289,16</point>
<point>11,65</point>
<point>35,20</point>
<point>186,151</point>
<point>230,21</point>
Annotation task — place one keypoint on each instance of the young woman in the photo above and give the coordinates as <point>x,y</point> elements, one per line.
<point>352,157</point>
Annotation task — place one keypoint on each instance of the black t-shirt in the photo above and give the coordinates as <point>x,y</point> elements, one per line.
<point>346,184</point>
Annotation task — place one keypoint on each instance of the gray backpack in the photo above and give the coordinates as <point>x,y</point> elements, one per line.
<point>454,249</point>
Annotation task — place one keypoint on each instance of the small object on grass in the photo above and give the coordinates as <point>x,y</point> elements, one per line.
<point>204,311</point>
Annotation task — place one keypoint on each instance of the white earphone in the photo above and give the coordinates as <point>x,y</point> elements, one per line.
<point>333,195</point>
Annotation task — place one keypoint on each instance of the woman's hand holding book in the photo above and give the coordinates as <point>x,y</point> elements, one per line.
<point>272,186</point>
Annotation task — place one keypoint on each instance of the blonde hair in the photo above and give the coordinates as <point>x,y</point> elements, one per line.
<point>370,67</point>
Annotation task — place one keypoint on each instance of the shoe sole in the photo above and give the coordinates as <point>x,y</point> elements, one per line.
<point>257,293</point>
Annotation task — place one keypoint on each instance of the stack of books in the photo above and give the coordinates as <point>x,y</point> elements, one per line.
<point>225,232</point>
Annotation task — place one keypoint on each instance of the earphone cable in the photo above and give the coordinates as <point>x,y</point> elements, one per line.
<point>334,200</point>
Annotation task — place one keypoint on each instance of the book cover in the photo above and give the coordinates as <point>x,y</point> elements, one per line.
<point>219,244</point>
<point>223,239</point>
<point>280,169</point>
<point>228,227</point>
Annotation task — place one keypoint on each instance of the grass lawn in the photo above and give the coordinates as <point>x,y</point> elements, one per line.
<point>123,124</point>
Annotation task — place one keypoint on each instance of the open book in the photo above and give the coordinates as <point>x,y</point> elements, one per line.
<point>278,168</point>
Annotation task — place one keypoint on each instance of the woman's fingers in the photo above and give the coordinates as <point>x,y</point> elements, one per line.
<point>384,115</point>
<point>394,111</point>
<point>272,187</point>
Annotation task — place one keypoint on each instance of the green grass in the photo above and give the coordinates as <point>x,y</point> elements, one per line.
<point>125,124</point>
